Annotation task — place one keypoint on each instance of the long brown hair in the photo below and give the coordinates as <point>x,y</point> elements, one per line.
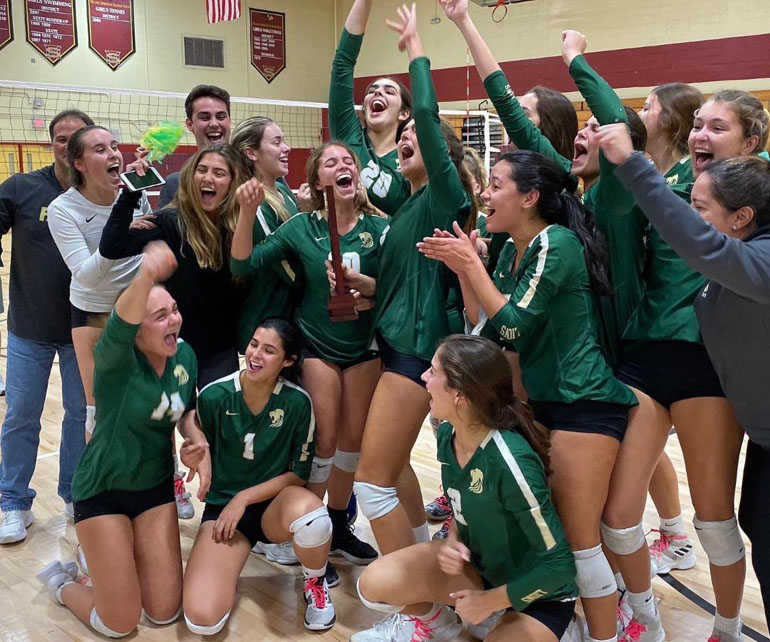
<point>558,119</point>
<point>478,369</point>
<point>361,201</point>
<point>678,104</point>
<point>207,235</point>
<point>75,149</point>
<point>456,151</point>
<point>248,134</point>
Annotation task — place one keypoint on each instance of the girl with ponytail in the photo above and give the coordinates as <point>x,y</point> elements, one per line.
<point>542,302</point>
<point>506,550</point>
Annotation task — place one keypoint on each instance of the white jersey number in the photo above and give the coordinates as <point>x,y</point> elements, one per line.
<point>248,446</point>
<point>351,259</point>
<point>375,180</point>
<point>173,407</point>
<point>457,505</point>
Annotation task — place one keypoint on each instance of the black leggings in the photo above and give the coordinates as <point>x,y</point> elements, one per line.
<point>754,515</point>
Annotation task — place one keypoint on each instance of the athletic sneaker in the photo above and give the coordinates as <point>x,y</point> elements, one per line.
<point>184,507</point>
<point>55,575</point>
<point>319,615</point>
<point>719,636</point>
<point>82,560</point>
<point>443,532</point>
<point>282,553</point>
<point>332,577</point>
<point>352,510</point>
<point>642,628</point>
<point>15,525</point>
<point>439,509</point>
<point>671,552</point>
<point>354,550</point>
<point>625,613</point>
<point>482,629</point>
<point>443,626</point>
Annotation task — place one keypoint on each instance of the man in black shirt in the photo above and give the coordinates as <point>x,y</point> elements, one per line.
<point>208,118</point>
<point>38,330</point>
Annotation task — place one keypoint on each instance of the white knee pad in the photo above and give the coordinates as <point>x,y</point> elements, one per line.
<point>313,529</point>
<point>594,574</point>
<point>377,606</point>
<point>100,627</point>
<point>346,462</point>
<point>320,470</point>
<point>623,541</point>
<point>163,622</point>
<point>722,541</point>
<point>375,501</point>
<point>207,630</point>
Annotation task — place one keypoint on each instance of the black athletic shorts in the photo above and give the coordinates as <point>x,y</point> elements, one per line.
<point>407,365</point>
<point>81,319</point>
<point>670,371</point>
<point>130,503</point>
<point>369,355</point>
<point>599,417</point>
<point>250,525</point>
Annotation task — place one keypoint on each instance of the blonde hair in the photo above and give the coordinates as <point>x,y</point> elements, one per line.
<point>208,235</point>
<point>751,114</point>
<point>248,134</point>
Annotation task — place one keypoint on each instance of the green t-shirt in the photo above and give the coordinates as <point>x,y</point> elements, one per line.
<point>305,238</point>
<point>136,412</point>
<point>412,290</point>
<point>273,292</point>
<point>387,188</point>
<point>666,311</point>
<point>246,449</point>
<point>504,515</point>
<point>550,319</point>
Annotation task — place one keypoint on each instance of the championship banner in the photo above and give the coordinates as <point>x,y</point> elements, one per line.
<point>268,42</point>
<point>111,30</point>
<point>6,23</point>
<point>51,27</point>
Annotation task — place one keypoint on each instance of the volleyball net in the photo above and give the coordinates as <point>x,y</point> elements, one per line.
<point>26,111</point>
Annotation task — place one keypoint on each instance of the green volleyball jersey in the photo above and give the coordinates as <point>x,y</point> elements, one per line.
<point>666,311</point>
<point>496,243</point>
<point>305,237</point>
<point>247,449</point>
<point>274,292</point>
<point>520,129</point>
<point>136,412</point>
<point>504,515</point>
<point>412,290</point>
<point>550,319</point>
<point>381,175</point>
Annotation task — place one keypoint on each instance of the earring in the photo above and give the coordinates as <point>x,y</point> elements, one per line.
<point>735,227</point>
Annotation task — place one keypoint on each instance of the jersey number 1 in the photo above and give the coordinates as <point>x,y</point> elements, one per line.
<point>173,407</point>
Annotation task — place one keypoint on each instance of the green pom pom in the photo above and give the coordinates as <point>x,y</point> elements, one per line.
<point>162,139</point>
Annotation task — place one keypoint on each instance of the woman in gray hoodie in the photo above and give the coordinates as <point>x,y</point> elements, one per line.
<point>724,235</point>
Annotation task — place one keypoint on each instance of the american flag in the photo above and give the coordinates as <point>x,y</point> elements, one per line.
<point>218,10</point>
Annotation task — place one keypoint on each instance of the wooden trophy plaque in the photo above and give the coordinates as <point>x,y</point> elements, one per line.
<point>342,303</point>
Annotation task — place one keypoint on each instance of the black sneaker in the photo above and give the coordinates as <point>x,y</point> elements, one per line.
<point>346,544</point>
<point>332,577</point>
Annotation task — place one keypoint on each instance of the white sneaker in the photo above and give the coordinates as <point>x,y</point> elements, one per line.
<point>69,511</point>
<point>574,632</point>
<point>625,613</point>
<point>319,614</point>
<point>443,626</point>
<point>184,507</point>
<point>671,552</point>
<point>720,636</point>
<point>282,553</point>
<point>15,525</point>
<point>53,576</point>
<point>82,560</point>
<point>643,629</point>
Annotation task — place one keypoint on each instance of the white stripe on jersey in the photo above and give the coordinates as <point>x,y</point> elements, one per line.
<point>534,506</point>
<point>535,280</point>
<point>311,427</point>
<point>266,229</point>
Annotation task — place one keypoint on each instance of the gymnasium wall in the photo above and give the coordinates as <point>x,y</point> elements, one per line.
<point>636,45</point>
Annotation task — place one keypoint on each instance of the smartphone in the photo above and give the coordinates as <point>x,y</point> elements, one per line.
<point>136,183</point>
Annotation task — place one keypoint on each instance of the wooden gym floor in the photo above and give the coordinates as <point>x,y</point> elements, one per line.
<point>270,606</point>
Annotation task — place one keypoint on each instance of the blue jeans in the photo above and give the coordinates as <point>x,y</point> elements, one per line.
<point>28,369</point>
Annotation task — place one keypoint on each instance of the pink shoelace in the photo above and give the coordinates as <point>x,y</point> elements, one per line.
<point>623,617</point>
<point>316,587</point>
<point>441,500</point>
<point>179,489</point>
<point>660,544</point>
<point>714,638</point>
<point>633,632</point>
<point>423,629</point>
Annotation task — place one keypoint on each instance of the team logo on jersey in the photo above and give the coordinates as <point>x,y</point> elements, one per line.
<point>477,481</point>
<point>672,180</point>
<point>534,595</point>
<point>276,418</point>
<point>181,374</point>
<point>43,214</point>
<point>509,334</point>
<point>366,240</point>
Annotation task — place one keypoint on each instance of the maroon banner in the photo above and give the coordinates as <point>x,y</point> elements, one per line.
<point>111,30</point>
<point>268,42</point>
<point>51,27</point>
<point>6,23</point>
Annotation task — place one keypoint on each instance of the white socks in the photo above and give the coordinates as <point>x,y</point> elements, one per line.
<point>673,526</point>
<point>421,533</point>
<point>729,625</point>
<point>642,604</point>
